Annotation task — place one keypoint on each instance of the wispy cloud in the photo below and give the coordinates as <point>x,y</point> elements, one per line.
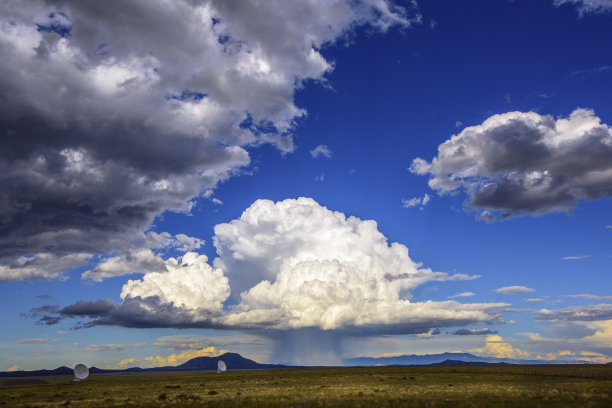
<point>462,294</point>
<point>585,74</point>
<point>587,6</point>
<point>577,313</point>
<point>38,340</point>
<point>321,150</point>
<point>590,297</point>
<point>416,201</point>
<point>466,332</point>
<point>113,347</point>
<point>575,257</point>
<point>514,290</point>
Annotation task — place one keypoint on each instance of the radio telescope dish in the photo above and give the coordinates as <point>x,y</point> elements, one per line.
<point>81,372</point>
<point>221,367</point>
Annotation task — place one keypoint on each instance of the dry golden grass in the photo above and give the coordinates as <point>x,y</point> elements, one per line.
<point>443,386</point>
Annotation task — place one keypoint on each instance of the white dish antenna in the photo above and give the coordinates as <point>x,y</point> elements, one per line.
<point>221,367</point>
<point>81,372</point>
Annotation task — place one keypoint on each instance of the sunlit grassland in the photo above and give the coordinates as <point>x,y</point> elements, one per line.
<point>415,386</point>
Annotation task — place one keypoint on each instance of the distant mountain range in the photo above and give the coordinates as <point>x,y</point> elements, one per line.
<point>428,359</point>
<point>235,361</point>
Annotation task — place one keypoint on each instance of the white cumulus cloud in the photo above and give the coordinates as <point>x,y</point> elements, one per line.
<point>524,163</point>
<point>298,264</point>
<point>142,260</point>
<point>189,283</point>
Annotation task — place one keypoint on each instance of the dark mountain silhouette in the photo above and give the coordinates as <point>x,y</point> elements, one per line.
<point>232,360</point>
<point>464,363</point>
<point>63,370</point>
<point>428,359</point>
<point>235,361</point>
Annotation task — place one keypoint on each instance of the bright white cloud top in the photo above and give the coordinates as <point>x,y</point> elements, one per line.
<point>188,283</point>
<point>313,267</point>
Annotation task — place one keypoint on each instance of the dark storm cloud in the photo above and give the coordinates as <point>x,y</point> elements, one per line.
<point>137,312</point>
<point>466,332</point>
<point>101,307</point>
<point>150,312</point>
<point>46,315</point>
<point>113,112</point>
<point>523,163</point>
<point>577,313</point>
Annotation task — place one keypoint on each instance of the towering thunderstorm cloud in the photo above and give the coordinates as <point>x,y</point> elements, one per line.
<point>295,270</point>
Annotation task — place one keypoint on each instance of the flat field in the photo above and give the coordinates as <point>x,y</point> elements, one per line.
<point>415,386</point>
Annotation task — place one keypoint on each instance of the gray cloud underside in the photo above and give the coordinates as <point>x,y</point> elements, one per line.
<point>150,312</point>
<point>137,313</point>
<point>514,290</point>
<point>577,313</point>
<point>112,113</point>
<point>518,163</point>
<point>190,341</point>
<point>570,330</point>
<point>113,347</point>
<point>467,332</point>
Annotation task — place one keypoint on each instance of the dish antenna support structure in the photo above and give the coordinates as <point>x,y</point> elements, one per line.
<point>221,367</point>
<point>81,372</point>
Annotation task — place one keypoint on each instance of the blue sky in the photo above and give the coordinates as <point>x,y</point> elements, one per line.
<point>132,144</point>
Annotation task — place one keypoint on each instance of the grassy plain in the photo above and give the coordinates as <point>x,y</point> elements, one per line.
<point>442,386</point>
